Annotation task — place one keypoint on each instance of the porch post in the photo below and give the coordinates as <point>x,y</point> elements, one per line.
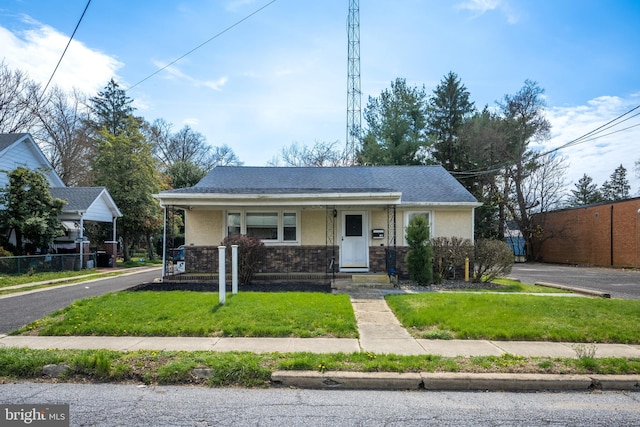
<point>81,240</point>
<point>164,242</point>
<point>221,275</point>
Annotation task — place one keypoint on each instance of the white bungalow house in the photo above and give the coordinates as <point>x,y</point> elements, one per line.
<point>83,203</point>
<point>314,220</point>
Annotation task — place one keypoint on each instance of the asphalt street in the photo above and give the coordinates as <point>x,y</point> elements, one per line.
<point>20,310</point>
<point>620,283</point>
<point>131,405</point>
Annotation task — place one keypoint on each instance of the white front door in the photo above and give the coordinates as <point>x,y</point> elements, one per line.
<point>354,248</point>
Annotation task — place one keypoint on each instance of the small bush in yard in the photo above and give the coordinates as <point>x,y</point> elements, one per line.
<point>493,258</point>
<point>449,254</point>
<point>419,259</point>
<point>251,252</point>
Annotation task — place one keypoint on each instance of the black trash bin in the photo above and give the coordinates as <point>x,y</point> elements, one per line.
<point>103,259</point>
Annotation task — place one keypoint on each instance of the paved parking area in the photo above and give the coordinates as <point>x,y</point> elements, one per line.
<point>620,283</point>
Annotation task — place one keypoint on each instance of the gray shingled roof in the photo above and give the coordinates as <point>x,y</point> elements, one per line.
<point>79,199</point>
<point>6,139</point>
<point>416,183</point>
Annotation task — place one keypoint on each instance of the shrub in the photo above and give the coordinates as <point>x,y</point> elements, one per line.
<point>493,258</point>
<point>251,252</point>
<point>419,259</point>
<point>449,255</point>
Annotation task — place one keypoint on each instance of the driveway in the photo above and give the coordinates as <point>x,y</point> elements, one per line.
<point>620,283</point>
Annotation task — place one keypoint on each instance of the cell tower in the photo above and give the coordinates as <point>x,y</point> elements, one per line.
<point>354,95</point>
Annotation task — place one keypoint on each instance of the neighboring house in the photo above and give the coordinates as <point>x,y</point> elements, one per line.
<point>20,150</point>
<point>604,234</point>
<point>314,220</point>
<point>83,203</point>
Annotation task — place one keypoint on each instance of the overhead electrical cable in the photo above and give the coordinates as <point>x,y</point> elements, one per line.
<point>589,136</point>
<point>66,47</point>
<point>203,43</point>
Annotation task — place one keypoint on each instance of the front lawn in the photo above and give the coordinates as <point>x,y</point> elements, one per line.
<point>518,317</point>
<point>183,313</point>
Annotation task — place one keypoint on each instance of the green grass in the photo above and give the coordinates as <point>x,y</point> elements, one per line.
<point>519,317</point>
<point>182,313</point>
<point>254,370</point>
<point>510,285</point>
<point>12,280</point>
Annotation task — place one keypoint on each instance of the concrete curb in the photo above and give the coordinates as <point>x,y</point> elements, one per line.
<point>574,289</point>
<point>347,380</point>
<point>453,381</point>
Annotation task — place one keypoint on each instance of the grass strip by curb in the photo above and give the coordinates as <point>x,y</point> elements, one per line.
<point>245,369</point>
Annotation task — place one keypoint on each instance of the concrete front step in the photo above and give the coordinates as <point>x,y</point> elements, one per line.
<point>350,285</point>
<point>370,278</point>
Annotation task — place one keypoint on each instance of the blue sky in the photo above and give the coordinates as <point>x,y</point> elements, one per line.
<point>281,76</point>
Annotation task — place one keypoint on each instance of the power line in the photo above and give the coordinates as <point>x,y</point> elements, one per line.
<point>589,136</point>
<point>67,47</point>
<point>203,43</point>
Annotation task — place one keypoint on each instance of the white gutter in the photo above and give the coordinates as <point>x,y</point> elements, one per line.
<point>303,199</point>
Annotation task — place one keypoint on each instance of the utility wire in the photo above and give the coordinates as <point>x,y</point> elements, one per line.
<point>203,43</point>
<point>66,47</point>
<point>589,136</point>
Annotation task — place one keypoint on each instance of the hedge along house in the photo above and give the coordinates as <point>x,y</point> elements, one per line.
<point>316,220</point>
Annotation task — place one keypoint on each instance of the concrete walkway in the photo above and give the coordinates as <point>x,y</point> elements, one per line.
<point>380,332</point>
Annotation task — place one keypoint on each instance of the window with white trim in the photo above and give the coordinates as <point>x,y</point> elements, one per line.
<point>407,217</point>
<point>270,226</point>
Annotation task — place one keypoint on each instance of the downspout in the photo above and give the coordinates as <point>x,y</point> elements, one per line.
<point>611,235</point>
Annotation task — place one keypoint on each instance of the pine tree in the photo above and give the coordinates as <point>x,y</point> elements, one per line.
<point>617,187</point>
<point>449,106</point>
<point>396,121</point>
<point>586,192</point>
<point>111,107</point>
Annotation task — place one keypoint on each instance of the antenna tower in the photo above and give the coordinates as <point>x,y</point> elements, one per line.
<point>354,95</point>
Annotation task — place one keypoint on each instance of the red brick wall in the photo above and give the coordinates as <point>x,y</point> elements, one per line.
<point>606,234</point>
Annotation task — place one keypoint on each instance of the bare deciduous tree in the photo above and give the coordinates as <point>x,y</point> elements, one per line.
<point>65,136</point>
<point>321,154</point>
<point>19,100</point>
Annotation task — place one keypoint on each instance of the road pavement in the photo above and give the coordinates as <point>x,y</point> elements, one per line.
<point>17,310</point>
<point>619,283</point>
<point>139,405</point>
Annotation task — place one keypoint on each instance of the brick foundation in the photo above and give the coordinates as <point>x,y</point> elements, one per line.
<point>289,259</point>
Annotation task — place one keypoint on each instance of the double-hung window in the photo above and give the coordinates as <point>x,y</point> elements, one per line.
<point>270,226</point>
<point>407,217</point>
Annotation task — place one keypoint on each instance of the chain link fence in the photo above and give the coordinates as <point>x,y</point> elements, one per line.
<point>17,265</point>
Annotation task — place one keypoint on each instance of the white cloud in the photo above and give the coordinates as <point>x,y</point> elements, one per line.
<point>480,7</point>
<point>172,71</point>
<point>606,149</point>
<point>37,50</point>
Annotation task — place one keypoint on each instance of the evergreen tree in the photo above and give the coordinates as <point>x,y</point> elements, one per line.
<point>586,192</point>
<point>617,187</point>
<point>396,121</point>
<point>449,106</point>
<point>111,108</point>
<point>419,259</point>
